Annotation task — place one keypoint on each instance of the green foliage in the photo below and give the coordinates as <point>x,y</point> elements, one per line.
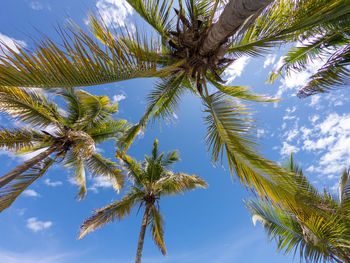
<point>317,226</point>
<point>85,121</point>
<point>151,180</point>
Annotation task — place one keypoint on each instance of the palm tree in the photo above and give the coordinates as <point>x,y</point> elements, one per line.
<point>68,134</point>
<point>151,180</point>
<point>318,226</point>
<point>327,41</point>
<point>188,54</point>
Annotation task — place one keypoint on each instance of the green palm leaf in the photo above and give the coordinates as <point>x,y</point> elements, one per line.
<point>156,223</point>
<point>79,62</point>
<point>28,106</point>
<point>110,213</point>
<point>99,166</point>
<point>18,138</point>
<point>10,192</point>
<point>229,134</point>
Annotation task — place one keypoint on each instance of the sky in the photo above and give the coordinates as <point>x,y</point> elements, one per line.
<point>210,225</point>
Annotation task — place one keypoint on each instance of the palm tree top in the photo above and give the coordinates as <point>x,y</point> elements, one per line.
<point>150,180</point>
<point>69,133</point>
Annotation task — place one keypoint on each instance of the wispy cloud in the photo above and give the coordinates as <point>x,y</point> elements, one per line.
<point>236,68</point>
<point>114,11</point>
<point>36,225</point>
<point>48,182</point>
<point>118,98</point>
<point>270,59</point>
<point>30,193</point>
<point>11,43</point>
<point>36,5</point>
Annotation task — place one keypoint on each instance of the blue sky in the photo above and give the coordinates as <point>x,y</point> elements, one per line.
<point>202,226</point>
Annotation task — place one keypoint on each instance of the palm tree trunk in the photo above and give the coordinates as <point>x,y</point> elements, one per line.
<point>233,16</point>
<point>27,165</point>
<point>142,234</point>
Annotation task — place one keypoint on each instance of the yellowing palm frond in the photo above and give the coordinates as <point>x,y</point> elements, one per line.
<point>156,223</point>
<point>10,192</point>
<point>110,213</point>
<point>28,106</point>
<point>18,138</point>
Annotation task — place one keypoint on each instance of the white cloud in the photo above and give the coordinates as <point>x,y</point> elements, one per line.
<point>48,182</point>
<point>236,68</point>
<point>270,59</point>
<point>30,193</point>
<point>117,98</point>
<point>11,43</point>
<point>295,79</point>
<point>114,11</point>
<point>260,132</point>
<point>100,182</point>
<point>35,225</point>
<point>330,140</point>
<point>287,149</point>
<point>35,5</point>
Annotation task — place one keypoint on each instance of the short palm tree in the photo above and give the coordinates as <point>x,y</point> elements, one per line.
<point>151,180</point>
<point>68,134</point>
<point>327,40</point>
<point>318,226</point>
<point>188,53</point>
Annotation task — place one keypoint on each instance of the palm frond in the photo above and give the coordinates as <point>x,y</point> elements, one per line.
<point>133,168</point>
<point>10,192</point>
<point>231,132</point>
<point>241,92</point>
<point>179,183</point>
<point>333,74</point>
<point>155,14</point>
<point>107,130</point>
<point>74,162</point>
<point>18,138</point>
<point>115,211</point>
<point>162,102</point>
<point>100,166</point>
<point>79,61</point>
<point>156,223</point>
<point>171,158</point>
<point>29,106</point>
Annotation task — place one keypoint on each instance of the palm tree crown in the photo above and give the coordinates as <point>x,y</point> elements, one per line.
<point>151,180</point>
<point>70,133</point>
<point>318,226</point>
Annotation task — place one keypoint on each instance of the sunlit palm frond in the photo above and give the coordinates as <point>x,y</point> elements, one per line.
<point>156,223</point>
<point>333,74</point>
<point>162,102</point>
<point>99,166</point>
<point>97,109</point>
<point>29,106</point>
<point>11,191</point>
<point>241,92</point>
<point>79,61</point>
<point>110,129</point>
<point>18,138</point>
<point>74,107</point>
<point>74,162</point>
<point>155,13</point>
<point>133,168</point>
<point>110,213</point>
<point>179,183</point>
<point>171,158</point>
<point>231,132</point>
<point>141,48</point>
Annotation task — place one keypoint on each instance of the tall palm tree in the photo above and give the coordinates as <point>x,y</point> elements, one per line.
<point>328,41</point>
<point>151,180</point>
<point>318,226</point>
<point>68,134</point>
<point>188,53</point>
